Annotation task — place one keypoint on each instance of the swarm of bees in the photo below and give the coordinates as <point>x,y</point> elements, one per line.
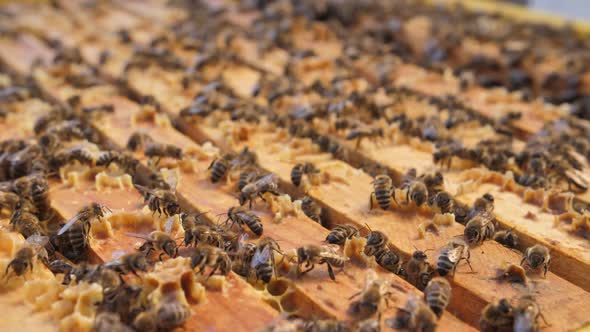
<point>346,116</point>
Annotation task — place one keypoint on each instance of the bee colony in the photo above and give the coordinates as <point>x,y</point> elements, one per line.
<point>291,166</point>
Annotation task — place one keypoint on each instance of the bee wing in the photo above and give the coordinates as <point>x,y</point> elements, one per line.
<point>261,256</point>
<point>137,235</point>
<point>330,251</point>
<point>39,240</point>
<point>455,254</point>
<point>143,190</point>
<point>578,178</point>
<point>243,240</point>
<point>118,254</point>
<point>168,225</point>
<point>172,180</point>
<point>68,224</point>
<point>267,179</point>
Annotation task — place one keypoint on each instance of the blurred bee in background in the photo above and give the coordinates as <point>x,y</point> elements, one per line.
<point>415,316</point>
<point>437,295</point>
<point>454,252</point>
<point>159,150</point>
<point>382,192</point>
<point>434,182</point>
<point>359,133</point>
<point>171,314</point>
<point>246,177</point>
<point>34,246</point>
<point>497,316</point>
<point>299,170</point>
<point>138,140</point>
<point>311,255</point>
<point>129,263</point>
<point>371,298</point>
<point>511,273</point>
<point>536,257</point>
<point>527,313</point>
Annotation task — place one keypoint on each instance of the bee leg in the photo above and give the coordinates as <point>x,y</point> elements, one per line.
<point>357,145</point>
<point>354,295</point>
<point>331,272</point>
<point>212,272</point>
<point>545,268</point>
<point>160,256</point>
<point>522,260</point>
<point>371,200</point>
<point>309,269</point>
<point>468,264</point>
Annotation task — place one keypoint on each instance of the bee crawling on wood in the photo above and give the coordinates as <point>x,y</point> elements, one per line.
<point>33,247</point>
<point>311,255</point>
<point>454,252</point>
<point>359,133</point>
<point>382,192</point>
<point>157,240</point>
<point>418,269</point>
<point>129,263</point>
<point>536,257</point>
<point>219,167</point>
<point>313,210</point>
<point>511,273</point>
<point>159,150</point>
<point>341,233</point>
<point>507,238</point>
<point>138,140</point>
<point>442,202</point>
<point>263,260</point>
<point>266,184</point>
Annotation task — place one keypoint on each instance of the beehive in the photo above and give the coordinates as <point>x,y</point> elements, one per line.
<point>359,89</point>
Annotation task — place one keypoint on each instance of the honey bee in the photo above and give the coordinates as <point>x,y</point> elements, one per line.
<point>341,233</point>
<point>376,241</point>
<point>300,170</point>
<point>246,177</point>
<point>536,257</point>
<point>239,216</point>
<point>479,228</point>
<point>243,256</point>
<point>107,278</point>
<point>418,269</point>
<point>497,316</point>
<point>526,314</point>
<point>437,295</point>
<point>263,263</point>
<point>267,183</point>
<point>371,298</point>
<point>442,202</point>
<point>312,210</point>
<point>160,200</point>
<point>23,259</point>
<point>311,255</point>
<point>213,257</point>
<point>109,322</point>
<point>415,316</point>
<point>160,150</point>
<point>511,273</point>
<point>146,321</point>
<point>85,216</point>
<point>76,153</point>
<point>25,223</point>
<point>197,231</point>
<point>129,263</point>
<point>359,133</point>
<point>507,238</point>
<point>126,301</point>
<point>171,314</point>
<point>325,325</point>
<point>382,192</point>
<point>416,191</point>
<point>454,252</point>
<point>74,243</point>
<point>434,182</point>
<point>40,198</point>
<point>125,160</point>
<point>219,167</point>
<point>138,140</point>
<point>157,240</point>
<point>106,108</point>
